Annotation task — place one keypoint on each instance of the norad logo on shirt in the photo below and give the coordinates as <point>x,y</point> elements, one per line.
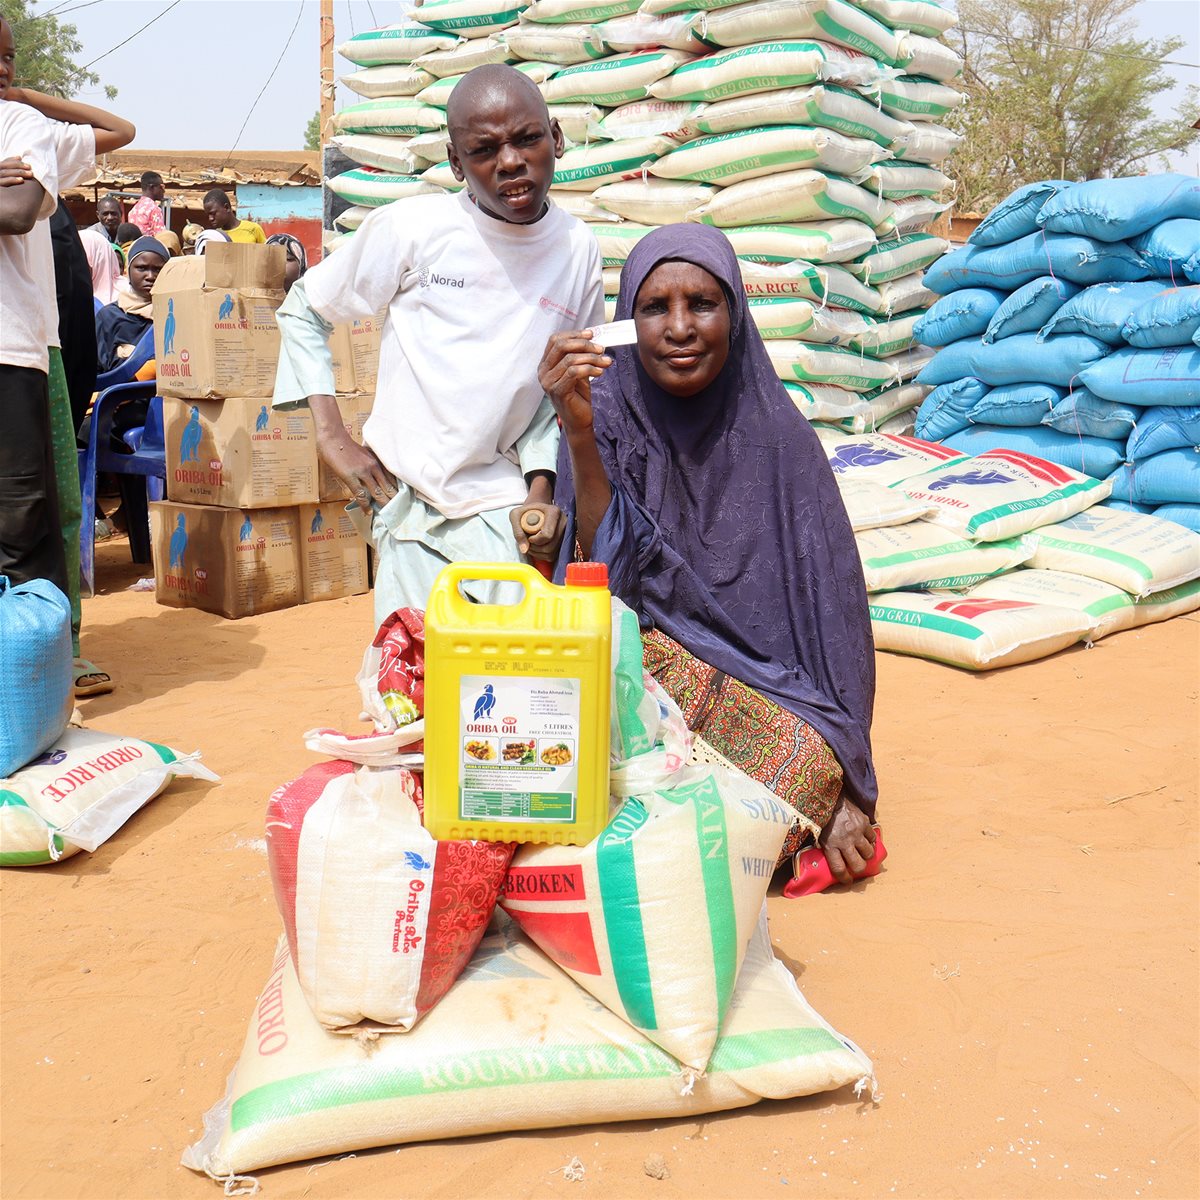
<point>428,278</point>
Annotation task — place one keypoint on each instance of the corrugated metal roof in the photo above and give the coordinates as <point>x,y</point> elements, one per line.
<point>207,168</point>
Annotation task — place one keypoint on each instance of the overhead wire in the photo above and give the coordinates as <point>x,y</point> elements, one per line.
<point>278,61</point>
<point>997,37</point>
<point>159,17</point>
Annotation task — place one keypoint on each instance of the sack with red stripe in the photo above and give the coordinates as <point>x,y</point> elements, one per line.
<point>380,917</point>
<point>1003,494</point>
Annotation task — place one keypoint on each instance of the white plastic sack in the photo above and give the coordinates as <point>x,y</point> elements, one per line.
<point>922,554</point>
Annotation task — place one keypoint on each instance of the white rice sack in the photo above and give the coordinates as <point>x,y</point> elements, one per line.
<point>611,279</point>
<point>925,17</point>
<point>353,217</point>
<point>910,99</point>
<point>928,58</point>
<point>400,116</point>
<point>583,206</point>
<point>672,31</point>
<point>883,338</point>
<point>901,425</point>
<point>614,80</point>
<point>1138,553</point>
<point>879,407</point>
<point>565,45</point>
<point>372,188</point>
<point>649,118</point>
<point>925,142</point>
<point>442,175</point>
<point>979,635</point>
<point>764,68</point>
<point>616,241</point>
<point>911,362</point>
<point>433,145</point>
<point>915,214</point>
<point>726,158</point>
<point>563,12</point>
<point>822,105</point>
<point>579,122</point>
<point>823,404</point>
<point>773,20</point>
<point>395,44</point>
<point>78,793</point>
<point>1003,493</point>
<point>924,554</point>
<point>403,79</point>
<point>905,294</point>
<point>898,256</point>
<point>873,506</point>
<point>885,459</point>
<point>653,201</point>
<point>471,18</point>
<point>377,150</point>
<point>828,284</point>
<point>514,1045</point>
<point>834,365</point>
<point>792,196</point>
<point>583,168</point>
<point>480,52</point>
<point>437,91</point>
<point>819,242</point>
<point>792,317</point>
<point>895,180</point>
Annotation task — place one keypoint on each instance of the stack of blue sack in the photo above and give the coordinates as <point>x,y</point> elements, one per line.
<point>1069,328</point>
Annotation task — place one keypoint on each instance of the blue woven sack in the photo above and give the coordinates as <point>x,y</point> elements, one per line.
<point>1016,404</point>
<point>962,314</point>
<point>1029,307</point>
<point>944,410</point>
<point>1172,249</point>
<point>35,670</point>
<point>1101,311</point>
<point>1093,456</point>
<point>1182,514</point>
<point>1172,318</point>
<point>1112,210</point>
<point>1016,215</point>
<point>1171,477</point>
<point>1085,414</point>
<point>1014,360</point>
<point>1145,377</point>
<point>1160,429</point>
<point>1125,506</point>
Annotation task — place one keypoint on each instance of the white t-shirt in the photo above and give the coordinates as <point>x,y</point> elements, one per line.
<point>471,302</point>
<point>59,155</point>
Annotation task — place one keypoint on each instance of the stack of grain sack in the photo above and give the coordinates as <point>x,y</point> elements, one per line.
<point>627,978</point>
<point>806,129</point>
<point>998,558</point>
<point>252,521</point>
<point>1070,329</point>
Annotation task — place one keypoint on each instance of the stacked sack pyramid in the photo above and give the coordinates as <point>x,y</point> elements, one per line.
<point>1069,328</point>
<point>807,129</point>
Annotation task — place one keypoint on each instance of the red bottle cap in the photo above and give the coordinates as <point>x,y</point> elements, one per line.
<point>587,574</point>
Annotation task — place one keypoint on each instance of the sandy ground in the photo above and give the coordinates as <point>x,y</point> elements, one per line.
<point>1024,973</point>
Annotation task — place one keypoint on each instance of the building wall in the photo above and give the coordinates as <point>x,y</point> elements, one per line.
<point>294,210</point>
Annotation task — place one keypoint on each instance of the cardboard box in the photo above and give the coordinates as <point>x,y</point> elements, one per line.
<point>228,561</point>
<point>342,350</point>
<point>214,322</point>
<point>355,410</point>
<point>239,453</point>
<point>333,555</point>
<point>364,341</point>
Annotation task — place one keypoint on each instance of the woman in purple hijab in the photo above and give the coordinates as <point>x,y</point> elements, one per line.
<point>685,467</point>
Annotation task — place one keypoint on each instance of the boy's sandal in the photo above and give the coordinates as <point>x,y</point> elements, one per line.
<point>90,680</point>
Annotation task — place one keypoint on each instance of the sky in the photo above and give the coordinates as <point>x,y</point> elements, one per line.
<point>191,79</point>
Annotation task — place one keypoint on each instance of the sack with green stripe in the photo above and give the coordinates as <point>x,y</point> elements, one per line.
<point>471,18</point>
<point>900,256</point>
<point>396,116</point>
<point>616,241</point>
<point>791,317</point>
<point>373,188</point>
<point>395,44</point>
<point>513,1045</point>
<point>793,196</point>
<point>908,98</point>
<point>926,17</point>
<point>817,241</point>
<point>479,52</point>
<point>835,365</point>
<point>81,791</point>
<point>565,45</point>
<point>401,79</point>
<point>653,201</point>
<point>922,554</point>
<point>827,284</point>
<point>563,12</point>
<point>584,168</point>
<point>614,80</point>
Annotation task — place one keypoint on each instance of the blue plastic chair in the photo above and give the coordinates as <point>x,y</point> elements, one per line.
<point>147,459</point>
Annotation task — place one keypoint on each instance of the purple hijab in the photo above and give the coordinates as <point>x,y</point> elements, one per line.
<point>726,530</point>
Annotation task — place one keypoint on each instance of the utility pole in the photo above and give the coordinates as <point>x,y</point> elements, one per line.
<point>327,80</point>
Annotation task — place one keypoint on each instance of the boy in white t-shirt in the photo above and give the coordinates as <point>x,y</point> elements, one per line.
<point>461,439</point>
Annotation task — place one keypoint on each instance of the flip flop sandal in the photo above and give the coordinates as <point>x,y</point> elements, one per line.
<point>90,680</point>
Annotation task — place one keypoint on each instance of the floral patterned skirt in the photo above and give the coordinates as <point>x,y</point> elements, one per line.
<point>770,744</point>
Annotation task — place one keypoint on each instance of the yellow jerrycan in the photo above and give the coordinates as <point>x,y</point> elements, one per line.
<point>517,707</point>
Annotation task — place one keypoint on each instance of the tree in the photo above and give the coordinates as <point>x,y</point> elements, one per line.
<point>312,132</point>
<point>1059,89</point>
<point>46,52</point>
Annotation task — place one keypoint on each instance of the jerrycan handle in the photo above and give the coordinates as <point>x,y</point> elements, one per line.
<point>452,576</point>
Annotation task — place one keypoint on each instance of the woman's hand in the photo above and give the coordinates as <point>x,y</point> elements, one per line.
<point>539,529</point>
<point>571,361</point>
<point>848,841</point>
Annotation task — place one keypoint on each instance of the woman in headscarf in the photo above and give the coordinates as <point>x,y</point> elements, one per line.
<point>297,257</point>
<point>103,264</point>
<point>121,325</point>
<point>685,467</point>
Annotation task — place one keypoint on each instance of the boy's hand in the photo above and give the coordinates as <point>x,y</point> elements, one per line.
<point>539,529</point>
<point>571,361</point>
<point>361,471</point>
<point>13,170</point>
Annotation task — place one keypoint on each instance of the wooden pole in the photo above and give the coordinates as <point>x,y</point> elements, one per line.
<point>327,80</point>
